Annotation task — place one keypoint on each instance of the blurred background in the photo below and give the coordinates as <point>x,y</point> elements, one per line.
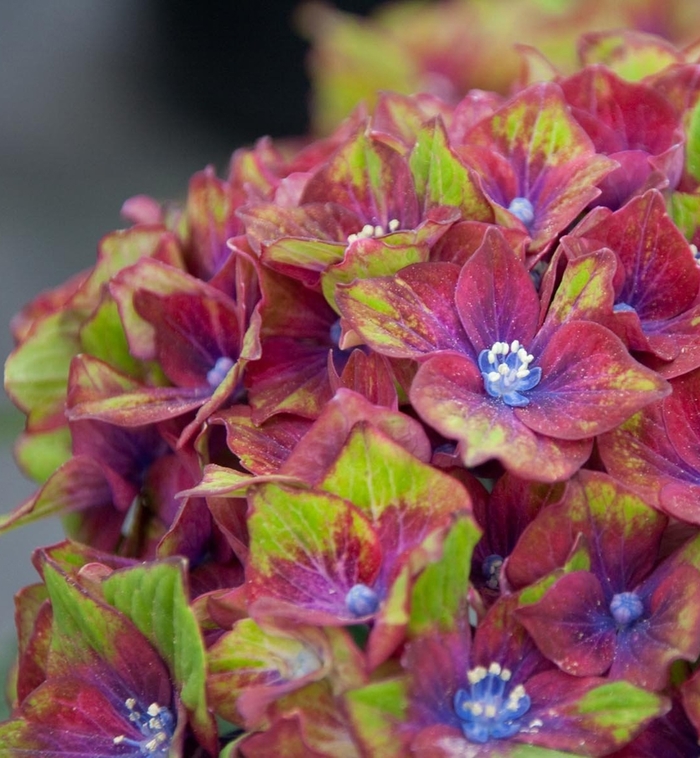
<point>100,101</point>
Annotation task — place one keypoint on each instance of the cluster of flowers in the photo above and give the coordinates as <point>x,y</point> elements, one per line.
<point>385,445</point>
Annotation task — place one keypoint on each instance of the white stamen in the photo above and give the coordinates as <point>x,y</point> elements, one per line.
<point>495,668</point>
<point>394,224</point>
<point>506,675</point>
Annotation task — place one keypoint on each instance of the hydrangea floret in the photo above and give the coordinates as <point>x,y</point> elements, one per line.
<point>384,445</point>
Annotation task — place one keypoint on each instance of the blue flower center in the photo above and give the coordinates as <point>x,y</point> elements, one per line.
<point>523,210</point>
<point>506,371</point>
<point>626,608</point>
<point>217,374</point>
<point>156,726</point>
<point>486,711</point>
<point>491,568</point>
<point>623,308</point>
<point>361,600</point>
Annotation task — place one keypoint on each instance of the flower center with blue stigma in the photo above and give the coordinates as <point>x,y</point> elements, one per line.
<point>361,600</point>
<point>626,608</point>
<point>368,231</point>
<point>523,210</point>
<point>507,373</point>
<point>156,725</point>
<point>217,374</point>
<point>486,712</point>
<point>491,568</point>
<point>623,308</point>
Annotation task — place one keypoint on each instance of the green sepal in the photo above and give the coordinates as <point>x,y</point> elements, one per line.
<point>442,179</point>
<point>440,592</point>
<point>374,711</point>
<point>692,145</point>
<point>619,708</point>
<point>155,597</point>
<point>579,560</point>
<point>39,454</point>
<point>103,337</point>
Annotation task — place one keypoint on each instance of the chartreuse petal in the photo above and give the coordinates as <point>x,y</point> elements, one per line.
<point>617,708</point>
<point>439,593</point>
<point>36,373</point>
<point>406,315</point>
<point>611,515</point>
<point>86,630</point>
<point>683,207</point>
<point>441,178</point>
<point>586,290</point>
<point>368,177</point>
<point>692,145</point>
<point>631,55</point>
<point>579,560</point>
<point>155,597</point>
<point>378,475</point>
<point>307,549</point>
<point>39,454</point>
<point>268,662</point>
<point>77,485</point>
<point>103,337</point>
<point>375,711</point>
<point>368,259</point>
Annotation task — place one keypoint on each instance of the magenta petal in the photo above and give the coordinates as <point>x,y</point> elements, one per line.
<point>670,631</point>
<point>589,385</point>
<point>437,665</point>
<point>495,296</point>
<point>572,625</point>
<point>407,315</point>
<point>448,393</point>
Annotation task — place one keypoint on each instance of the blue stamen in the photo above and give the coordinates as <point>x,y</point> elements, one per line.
<point>622,308</point>
<point>523,210</point>
<point>336,332</point>
<point>217,374</point>
<point>491,568</point>
<point>506,372</point>
<point>626,608</point>
<point>157,727</point>
<point>486,712</point>
<point>361,600</point>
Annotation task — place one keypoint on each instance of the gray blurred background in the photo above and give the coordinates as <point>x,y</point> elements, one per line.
<point>100,101</point>
<point>80,131</point>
